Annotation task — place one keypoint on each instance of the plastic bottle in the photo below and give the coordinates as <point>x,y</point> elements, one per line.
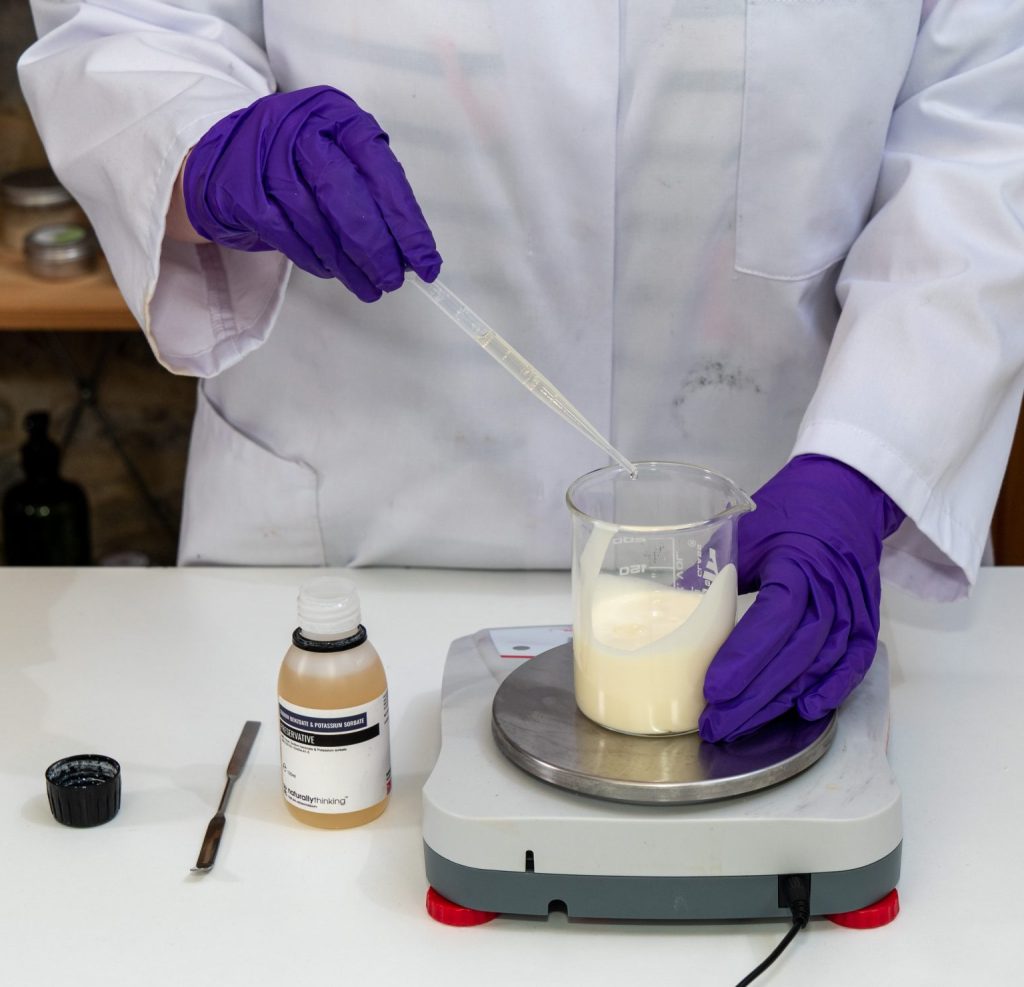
<point>333,705</point>
<point>46,518</point>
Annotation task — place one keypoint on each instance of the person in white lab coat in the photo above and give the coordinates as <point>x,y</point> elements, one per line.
<point>766,236</point>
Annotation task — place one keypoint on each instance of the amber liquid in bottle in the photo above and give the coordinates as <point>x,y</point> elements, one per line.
<point>333,680</point>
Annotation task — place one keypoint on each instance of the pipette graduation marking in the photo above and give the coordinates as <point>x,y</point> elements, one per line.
<point>515,363</point>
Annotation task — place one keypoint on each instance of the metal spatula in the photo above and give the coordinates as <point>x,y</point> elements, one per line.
<point>211,842</point>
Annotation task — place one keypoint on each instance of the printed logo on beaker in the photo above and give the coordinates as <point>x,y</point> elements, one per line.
<point>710,567</point>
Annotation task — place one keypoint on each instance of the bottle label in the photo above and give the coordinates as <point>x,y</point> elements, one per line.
<point>335,760</point>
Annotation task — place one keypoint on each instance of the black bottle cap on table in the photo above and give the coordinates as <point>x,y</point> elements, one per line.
<point>84,789</point>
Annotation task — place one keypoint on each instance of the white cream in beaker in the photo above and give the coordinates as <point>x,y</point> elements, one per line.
<point>642,649</point>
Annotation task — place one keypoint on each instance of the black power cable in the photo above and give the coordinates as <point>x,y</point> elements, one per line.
<point>794,894</point>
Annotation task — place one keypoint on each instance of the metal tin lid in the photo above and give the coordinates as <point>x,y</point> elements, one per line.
<point>61,250</point>
<point>538,727</point>
<point>37,188</point>
<point>60,243</point>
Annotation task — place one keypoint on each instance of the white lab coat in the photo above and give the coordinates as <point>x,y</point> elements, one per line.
<point>730,231</point>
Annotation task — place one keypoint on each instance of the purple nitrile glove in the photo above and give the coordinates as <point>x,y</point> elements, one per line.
<point>811,549</point>
<point>311,174</point>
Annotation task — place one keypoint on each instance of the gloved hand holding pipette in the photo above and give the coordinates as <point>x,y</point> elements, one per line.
<point>811,550</point>
<point>326,191</point>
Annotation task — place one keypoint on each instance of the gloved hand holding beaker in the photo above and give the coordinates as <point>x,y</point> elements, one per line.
<point>310,173</point>
<point>811,550</point>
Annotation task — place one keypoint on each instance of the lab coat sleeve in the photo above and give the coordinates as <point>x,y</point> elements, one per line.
<point>120,90</point>
<point>922,386</point>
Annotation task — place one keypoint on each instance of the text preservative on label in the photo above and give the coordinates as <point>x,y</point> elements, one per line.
<point>335,760</point>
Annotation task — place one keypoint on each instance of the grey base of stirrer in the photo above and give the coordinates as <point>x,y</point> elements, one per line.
<point>537,725</point>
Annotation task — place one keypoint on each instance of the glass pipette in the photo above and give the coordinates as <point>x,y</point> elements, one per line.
<point>515,363</point>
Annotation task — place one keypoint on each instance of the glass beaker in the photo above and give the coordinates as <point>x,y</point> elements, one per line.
<point>654,591</point>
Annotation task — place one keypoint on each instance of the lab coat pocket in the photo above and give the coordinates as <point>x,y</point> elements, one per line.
<point>821,80</point>
<point>245,505</point>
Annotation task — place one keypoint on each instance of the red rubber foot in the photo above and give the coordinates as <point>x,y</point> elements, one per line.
<point>447,912</point>
<point>882,912</point>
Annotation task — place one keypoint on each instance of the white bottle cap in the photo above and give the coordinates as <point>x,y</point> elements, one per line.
<point>328,608</point>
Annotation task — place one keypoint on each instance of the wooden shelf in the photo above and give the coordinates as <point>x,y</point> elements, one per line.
<point>90,302</point>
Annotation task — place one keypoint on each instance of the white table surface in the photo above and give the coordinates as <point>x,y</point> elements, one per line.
<point>160,668</point>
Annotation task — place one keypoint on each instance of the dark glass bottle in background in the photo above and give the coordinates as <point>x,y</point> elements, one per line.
<point>46,518</point>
